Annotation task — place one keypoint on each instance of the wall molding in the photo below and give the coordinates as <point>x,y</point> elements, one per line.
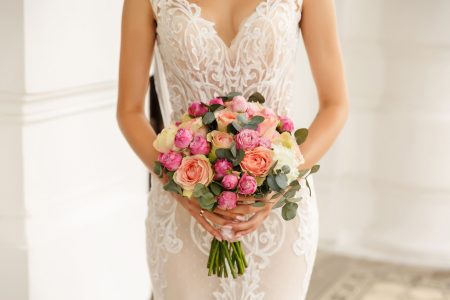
<point>46,106</point>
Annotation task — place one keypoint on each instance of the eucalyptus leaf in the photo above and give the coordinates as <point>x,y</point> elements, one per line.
<point>236,125</point>
<point>303,173</point>
<point>233,94</point>
<point>258,195</point>
<point>220,152</point>
<point>281,180</point>
<point>171,186</point>
<point>259,204</point>
<point>157,168</point>
<point>276,195</point>
<point>256,97</point>
<point>231,129</point>
<point>242,118</point>
<point>280,203</point>
<point>291,193</point>
<point>256,120</point>
<point>214,107</point>
<point>294,183</point>
<point>250,126</point>
<point>272,183</point>
<point>233,149</point>
<point>294,199</point>
<point>314,169</point>
<point>289,211</point>
<point>301,135</point>
<point>208,118</point>
<point>239,156</point>
<point>285,169</point>
<point>215,188</point>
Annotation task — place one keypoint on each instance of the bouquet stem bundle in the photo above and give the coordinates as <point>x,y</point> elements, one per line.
<point>226,256</point>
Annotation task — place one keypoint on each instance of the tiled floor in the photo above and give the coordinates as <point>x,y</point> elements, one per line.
<point>342,278</point>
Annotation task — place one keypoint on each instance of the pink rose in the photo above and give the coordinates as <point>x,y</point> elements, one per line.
<point>227,200</point>
<point>257,161</point>
<point>170,160</point>
<point>193,170</point>
<point>285,124</point>
<point>239,104</point>
<point>247,139</point>
<point>183,138</point>
<point>222,167</point>
<point>216,101</point>
<point>247,184</point>
<point>265,142</point>
<point>223,118</point>
<point>199,145</point>
<point>253,108</point>
<point>197,109</point>
<point>230,181</point>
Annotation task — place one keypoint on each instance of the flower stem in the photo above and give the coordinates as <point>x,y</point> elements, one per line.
<point>228,257</point>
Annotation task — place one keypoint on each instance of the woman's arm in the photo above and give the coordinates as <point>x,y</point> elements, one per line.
<point>318,26</point>
<point>136,53</point>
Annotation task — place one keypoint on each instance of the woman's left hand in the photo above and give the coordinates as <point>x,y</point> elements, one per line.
<point>241,226</point>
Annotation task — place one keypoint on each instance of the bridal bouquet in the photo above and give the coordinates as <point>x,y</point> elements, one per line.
<point>227,149</point>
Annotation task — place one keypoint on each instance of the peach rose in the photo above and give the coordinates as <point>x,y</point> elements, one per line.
<point>220,139</point>
<point>257,161</point>
<point>224,117</point>
<point>195,125</point>
<point>268,127</point>
<point>193,169</point>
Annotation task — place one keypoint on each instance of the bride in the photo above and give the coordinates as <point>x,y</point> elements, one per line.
<point>207,48</point>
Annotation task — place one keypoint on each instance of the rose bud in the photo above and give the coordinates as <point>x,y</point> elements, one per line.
<point>227,200</point>
<point>230,181</point>
<point>199,145</point>
<point>170,160</point>
<point>197,109</point>
<point>183,138</point>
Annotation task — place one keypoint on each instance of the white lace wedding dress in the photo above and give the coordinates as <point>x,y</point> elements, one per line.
<point>193,62</point>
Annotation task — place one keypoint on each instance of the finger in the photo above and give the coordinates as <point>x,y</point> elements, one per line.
<point>245,209</point>
<point>245,232</point>
<point>205,224</point>
<point>229,214</point>
<point>241,226</point>
<point>216,219</point>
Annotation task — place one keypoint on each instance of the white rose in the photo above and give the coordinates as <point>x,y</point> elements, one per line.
<point>285,156</point>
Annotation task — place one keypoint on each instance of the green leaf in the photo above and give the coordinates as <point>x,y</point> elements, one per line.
<point>231,129</point>
<point>215,188</point>
<point>256,120</point>
<point>303,173</point>
<point>280,203</point>
<point>250,126</point>
<point>272,183</point>
<point>236,125</point>
<point>276,195</point>
<point>259,204</point>
<point>233,94</point>
<point>258,195</point>
<point>301,135</point>
<point>239,157</point>
<point>291,193</point>
<point>208,118</point>
<point>233,149</point>
<point>285,169</point>
<point>229,155</point>
<point>289,211</point>
<point>314,169</point>
<point>256,97</point>
<point>294,183</point>
<point>221,152</point>
<point>281,180</point>
<point>242,118</point>
<point>157,168</point>
<point>214,107</point>
<point>294,199</point>
<point>171,186</point>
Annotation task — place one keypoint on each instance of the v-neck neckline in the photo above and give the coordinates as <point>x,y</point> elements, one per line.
<point>214,25</point>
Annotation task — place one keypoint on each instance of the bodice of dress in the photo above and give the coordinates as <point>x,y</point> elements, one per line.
<point>198,65</point>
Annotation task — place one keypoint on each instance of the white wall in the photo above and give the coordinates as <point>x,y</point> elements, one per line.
<point>384,189</point>
<point>73,194</point>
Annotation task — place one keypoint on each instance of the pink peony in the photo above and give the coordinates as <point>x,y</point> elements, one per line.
<point>247,139</point>
<point>239,104</point>
<point>170,160</point>
<point>247,184</point>
<point>230,181</point>
<point>199,145</point>
<point>227,200</point>
<point>265,142</point>
<point>222,167</point>
<point>197,109</point>
<point>183,138</point>
<point>286,124</point>
<point>216,101</point>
